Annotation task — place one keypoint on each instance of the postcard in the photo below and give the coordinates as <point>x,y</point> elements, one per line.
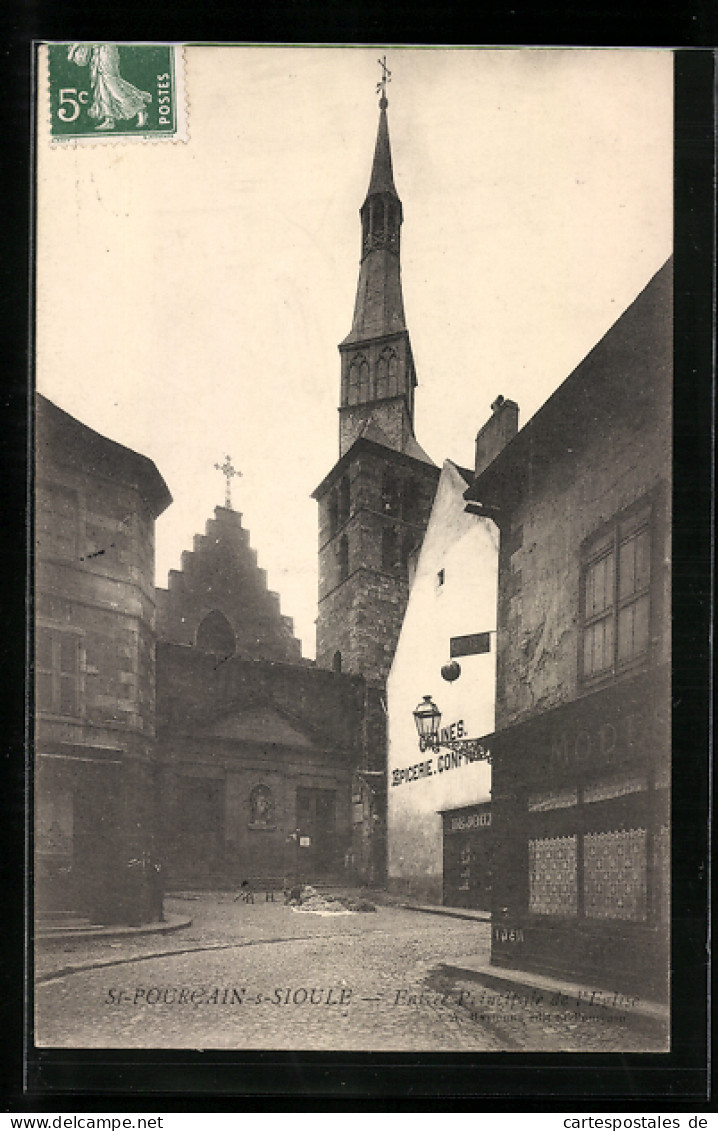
<point>353,459</point>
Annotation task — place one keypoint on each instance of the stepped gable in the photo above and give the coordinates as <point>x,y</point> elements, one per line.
<point>219,603</point>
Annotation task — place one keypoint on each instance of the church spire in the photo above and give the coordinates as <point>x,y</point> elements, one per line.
<point>379,307</point>
<point>377,390</point>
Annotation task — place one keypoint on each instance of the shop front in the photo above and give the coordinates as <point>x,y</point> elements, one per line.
<point>581,819</point>
<point>467,857</point>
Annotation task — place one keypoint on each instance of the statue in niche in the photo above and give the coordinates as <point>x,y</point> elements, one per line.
<point>260,807</point>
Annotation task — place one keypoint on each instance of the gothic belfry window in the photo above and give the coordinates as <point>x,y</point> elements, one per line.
<point>382,376</point>
<point>343,557</point>
<point>333,513</point>
<point>377,225</point>
<point>364,392</point>
<point>353,392</point>
<point>358,380</point>
<point>344,500</point>
<point>387,371</point>
<point>410,502</point>
<point>393,373</point>
<point>392,228</point>
<point>390,492</point>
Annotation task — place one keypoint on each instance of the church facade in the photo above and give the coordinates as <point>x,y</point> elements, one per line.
<point>256,747</point>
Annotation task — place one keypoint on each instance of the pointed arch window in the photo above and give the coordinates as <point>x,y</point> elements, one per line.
<point>364,392</point>
<point>344,500</point>
<point>377,219</point>
<point>390,496</point>
<point>387,374</point>
<point>382,376</point>
<point>343,557</point>
<point>358,380</point>
<point>333,513</point>
<point>215,634</point>
<point>393,373</point>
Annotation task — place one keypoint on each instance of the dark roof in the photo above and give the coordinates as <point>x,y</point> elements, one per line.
<point>69,442</point>
<point>382,174</point>
<point>379,449</point>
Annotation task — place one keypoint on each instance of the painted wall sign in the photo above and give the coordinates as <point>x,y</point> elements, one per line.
<point>463,821</point>
<point>448,760</point>
<point>471,645</point>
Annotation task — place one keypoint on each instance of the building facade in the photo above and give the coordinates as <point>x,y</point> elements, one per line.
<point>257,748</point>
<point>94,661</point>
<point>581,751</point>
<point>438,814</point>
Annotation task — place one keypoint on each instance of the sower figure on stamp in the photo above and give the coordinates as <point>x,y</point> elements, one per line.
<point>112,96</point>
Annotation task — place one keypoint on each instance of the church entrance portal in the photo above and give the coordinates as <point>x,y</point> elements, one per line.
<point>316,819</point>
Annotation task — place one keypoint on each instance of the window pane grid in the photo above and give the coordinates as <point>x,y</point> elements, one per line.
<point>616,599</point>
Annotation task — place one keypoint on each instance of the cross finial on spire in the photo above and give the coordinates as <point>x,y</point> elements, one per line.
<point>229,473</point>
<point>381,85</point>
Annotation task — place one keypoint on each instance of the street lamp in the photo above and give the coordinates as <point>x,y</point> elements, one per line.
<point>427,717</point>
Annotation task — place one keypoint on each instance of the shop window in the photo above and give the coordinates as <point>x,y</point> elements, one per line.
<point>553,876</point>
<point>57,672</point>
<point>215,634</point>
<point>614,875</point>
<point>616,599</point>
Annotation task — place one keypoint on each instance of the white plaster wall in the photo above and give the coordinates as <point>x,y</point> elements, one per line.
<point>466,548</point>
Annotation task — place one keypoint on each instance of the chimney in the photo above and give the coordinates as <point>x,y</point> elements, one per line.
<point>500,428</point>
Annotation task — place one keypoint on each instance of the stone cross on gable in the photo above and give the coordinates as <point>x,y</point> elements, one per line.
<point>229,472</point>
<point>381,85</point>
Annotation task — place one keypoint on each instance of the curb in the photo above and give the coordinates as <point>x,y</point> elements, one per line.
<point>451,912</point>
<point>636,1012</point>
<point>65,934</point>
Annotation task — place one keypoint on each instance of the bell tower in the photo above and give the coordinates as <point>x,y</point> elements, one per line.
<point>375,502</point>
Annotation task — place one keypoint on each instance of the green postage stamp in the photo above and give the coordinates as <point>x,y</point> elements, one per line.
<point>111,90</point>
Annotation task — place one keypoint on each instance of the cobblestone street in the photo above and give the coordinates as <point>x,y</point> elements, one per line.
<point>266,976</point>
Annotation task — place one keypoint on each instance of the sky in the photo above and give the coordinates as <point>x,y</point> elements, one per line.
<point>191,295</point>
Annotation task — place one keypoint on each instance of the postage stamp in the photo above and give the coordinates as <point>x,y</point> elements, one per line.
<point>111,90</point>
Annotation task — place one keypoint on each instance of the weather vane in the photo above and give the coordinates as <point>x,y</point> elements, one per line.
<point>229,472</point>
<point>381,85</point>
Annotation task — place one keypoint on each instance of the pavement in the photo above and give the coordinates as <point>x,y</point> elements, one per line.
<point>46,933</point>
<point>439,977</point>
